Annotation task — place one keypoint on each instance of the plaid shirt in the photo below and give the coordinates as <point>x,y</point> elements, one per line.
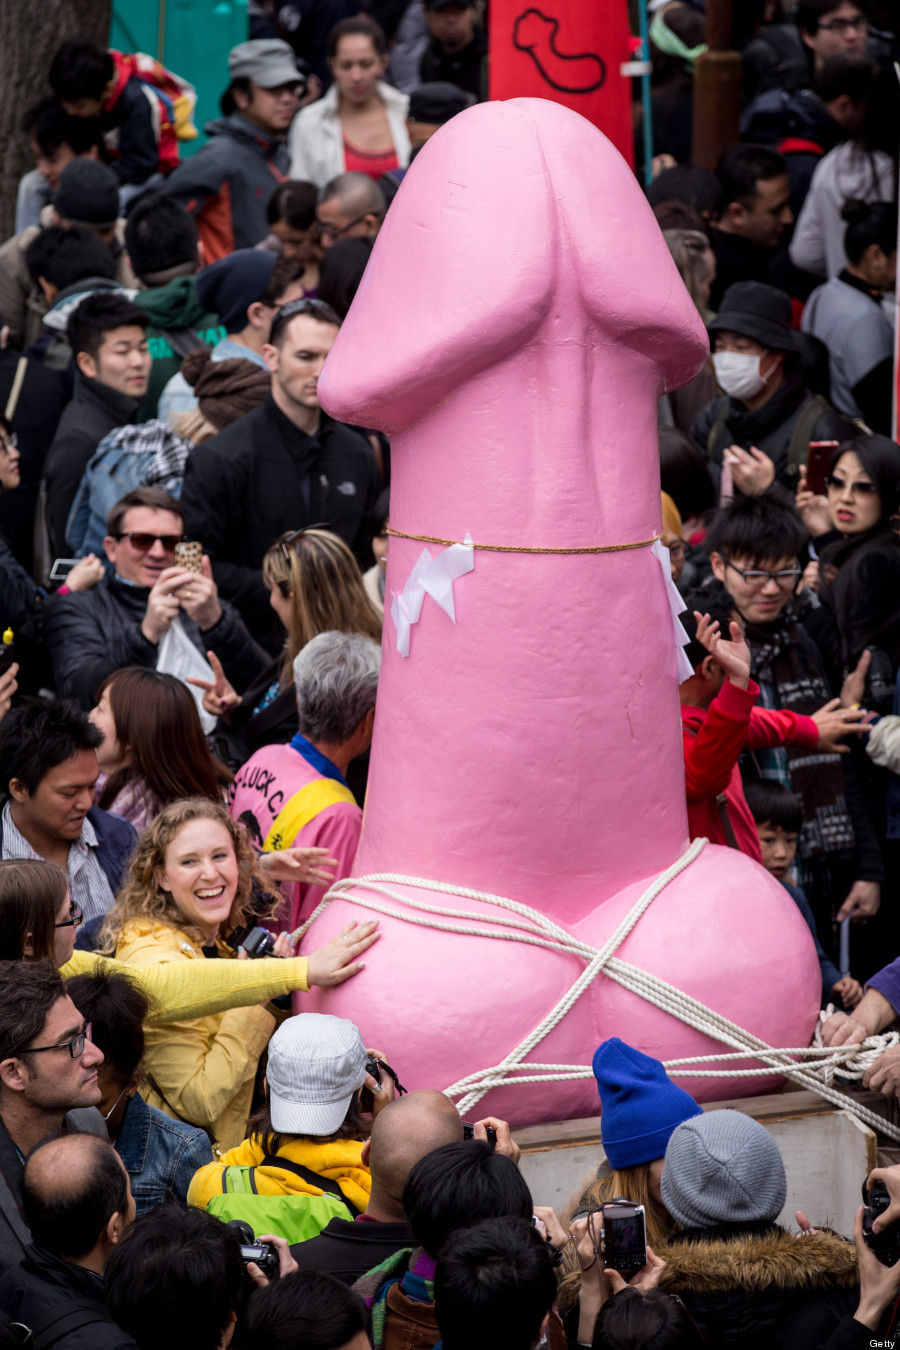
<point>88,886</point>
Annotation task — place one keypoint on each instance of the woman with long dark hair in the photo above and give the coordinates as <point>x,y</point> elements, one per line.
<point>139,711</point>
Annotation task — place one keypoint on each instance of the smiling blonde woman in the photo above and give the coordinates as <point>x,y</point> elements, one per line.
<point>192,881</point>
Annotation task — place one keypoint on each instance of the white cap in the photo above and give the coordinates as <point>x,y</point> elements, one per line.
<point>316,1063</point>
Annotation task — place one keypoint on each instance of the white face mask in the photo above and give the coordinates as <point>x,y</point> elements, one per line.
<point>739,374</point>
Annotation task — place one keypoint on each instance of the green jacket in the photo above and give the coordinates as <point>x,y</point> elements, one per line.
<point>173,308</point>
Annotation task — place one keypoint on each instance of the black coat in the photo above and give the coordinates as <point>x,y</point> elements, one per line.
<point>347,1248</point>
<point>769,428</point>
<point>763,1286</point>
<point>94,412</point>
<point>42,397</point>
<point>42,1282</point>
<point>260,478</point>
<point>92,633</point>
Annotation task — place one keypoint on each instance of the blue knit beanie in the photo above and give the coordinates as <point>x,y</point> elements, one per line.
<point>641,1106</point>
<point>231,285</point>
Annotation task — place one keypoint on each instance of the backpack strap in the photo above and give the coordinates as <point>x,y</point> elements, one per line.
<point>798,449</point>
<point>716,429</point>
<point>9,411</point>
<point>182,340</point>
<point>64,1318</point>
<point>311,1178</point>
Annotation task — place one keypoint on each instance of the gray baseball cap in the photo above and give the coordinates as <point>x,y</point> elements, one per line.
<point>316,1063</point>
<point>268,62</point>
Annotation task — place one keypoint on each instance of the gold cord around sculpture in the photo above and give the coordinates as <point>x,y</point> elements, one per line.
<point>521,548</point>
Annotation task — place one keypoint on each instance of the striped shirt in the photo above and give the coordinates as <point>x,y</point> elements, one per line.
<point>88,886</point>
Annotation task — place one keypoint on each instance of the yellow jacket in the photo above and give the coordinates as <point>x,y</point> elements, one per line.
<point>178,990</point>
<point>199,1070</point>
<point>340,1161</point>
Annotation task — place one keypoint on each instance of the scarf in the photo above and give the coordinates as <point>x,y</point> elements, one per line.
<point>413,1269</point>
<point>784,666</point>
<point>321,763</point>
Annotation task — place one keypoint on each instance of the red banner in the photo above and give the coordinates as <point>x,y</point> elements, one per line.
<point>569,51</point>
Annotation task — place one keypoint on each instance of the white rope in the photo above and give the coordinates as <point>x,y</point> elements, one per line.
<point>532,927</point>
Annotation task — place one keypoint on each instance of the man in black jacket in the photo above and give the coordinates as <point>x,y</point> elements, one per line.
<point>282,467</point>
<point>76,1199</point>
<point>108,337</point>
<point>762,425</point>
<point>122,621</point>
<point>402,1133</point>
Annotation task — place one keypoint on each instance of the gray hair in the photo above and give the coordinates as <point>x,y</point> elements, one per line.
<point>335,679</point>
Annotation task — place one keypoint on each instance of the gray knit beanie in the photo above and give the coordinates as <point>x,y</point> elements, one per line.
<point>722,1167</point>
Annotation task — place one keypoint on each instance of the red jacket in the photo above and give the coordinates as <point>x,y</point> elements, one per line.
<point>713,739</point>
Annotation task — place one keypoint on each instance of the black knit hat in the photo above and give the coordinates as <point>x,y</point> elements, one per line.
<point>88,194</point>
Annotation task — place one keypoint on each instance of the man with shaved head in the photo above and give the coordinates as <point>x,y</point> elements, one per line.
<point>76,1199</point>
<point>351,206</point>
<point>402,1133</point>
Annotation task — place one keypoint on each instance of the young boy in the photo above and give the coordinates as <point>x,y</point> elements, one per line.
<point>778,814</point>
<point>136,119</point>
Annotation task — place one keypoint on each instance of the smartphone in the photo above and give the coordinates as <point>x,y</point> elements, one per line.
<point>62,567</point>
<point>817,463</point>
<point>624,1236</point>
<point>7,656</point>
<point>189,554</point>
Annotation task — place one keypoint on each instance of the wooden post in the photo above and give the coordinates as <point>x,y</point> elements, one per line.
<point>718,76</point>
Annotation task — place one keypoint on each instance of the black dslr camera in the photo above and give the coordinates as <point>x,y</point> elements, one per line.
<point>263,1254</point>
<point>256,942</point>
<point>886,1244</point>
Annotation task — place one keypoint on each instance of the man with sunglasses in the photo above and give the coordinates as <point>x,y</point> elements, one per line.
<point>755,547</point>
<point>122,621</point>
<point>283,466</point>
<point>48,1082</point>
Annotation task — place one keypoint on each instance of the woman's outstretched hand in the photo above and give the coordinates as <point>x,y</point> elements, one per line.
<point>338,960</point>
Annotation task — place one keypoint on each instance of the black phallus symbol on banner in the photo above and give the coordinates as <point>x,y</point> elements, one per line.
<point>535,33</point>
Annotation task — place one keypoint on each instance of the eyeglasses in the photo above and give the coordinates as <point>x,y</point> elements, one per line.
<point>786,579</point>
<point>76,917</point>
<point>843,26</point>
<point>859,487</point>
<point>333,232</point>
<point>285,543</point>
<point>8,443</point>
<point>144,542</point>
<point>75,1044</point>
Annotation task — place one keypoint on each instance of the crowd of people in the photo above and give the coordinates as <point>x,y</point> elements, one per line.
<point>192,591</point>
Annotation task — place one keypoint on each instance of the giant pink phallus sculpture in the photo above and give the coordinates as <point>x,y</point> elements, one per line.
<point>515,327</point>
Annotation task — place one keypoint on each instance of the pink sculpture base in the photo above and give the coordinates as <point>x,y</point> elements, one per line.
<point>443,1005</point>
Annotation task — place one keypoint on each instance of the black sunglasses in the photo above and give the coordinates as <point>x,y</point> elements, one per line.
<point>144,542</point>
<point>285,543</point>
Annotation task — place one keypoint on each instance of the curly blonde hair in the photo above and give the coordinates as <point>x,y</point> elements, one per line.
<point>142,896</point>
<point>319,575</point>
